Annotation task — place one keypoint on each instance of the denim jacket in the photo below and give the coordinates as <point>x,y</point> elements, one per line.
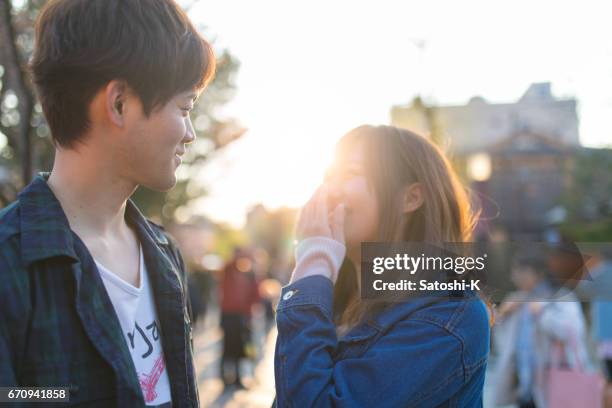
<point>424,352</point>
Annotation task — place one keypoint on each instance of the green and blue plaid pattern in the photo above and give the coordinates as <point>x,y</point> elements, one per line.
<point>57,324</point>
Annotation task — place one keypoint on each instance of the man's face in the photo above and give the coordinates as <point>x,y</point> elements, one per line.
<point>154,145</point>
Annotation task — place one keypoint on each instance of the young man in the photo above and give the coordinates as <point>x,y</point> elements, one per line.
<point>92,295</point>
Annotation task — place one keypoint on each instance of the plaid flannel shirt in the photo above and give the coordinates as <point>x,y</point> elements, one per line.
<point>58,326</point>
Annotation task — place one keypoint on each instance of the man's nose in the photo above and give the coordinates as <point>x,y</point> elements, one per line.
<point>190,134</point>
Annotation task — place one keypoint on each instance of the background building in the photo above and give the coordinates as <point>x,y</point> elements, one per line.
<point>479,124</point>
<point>523,160</point>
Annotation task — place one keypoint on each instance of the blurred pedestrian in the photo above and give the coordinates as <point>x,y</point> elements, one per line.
<point>534,331</point>
<point>269,290</point>
<point>597,289</point>
<point>200,284</point>
<point>239,292</point>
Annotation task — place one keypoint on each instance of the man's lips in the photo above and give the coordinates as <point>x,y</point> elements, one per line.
<point>178,156</point>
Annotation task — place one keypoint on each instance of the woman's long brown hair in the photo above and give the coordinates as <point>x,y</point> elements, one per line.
<point>394,159</point>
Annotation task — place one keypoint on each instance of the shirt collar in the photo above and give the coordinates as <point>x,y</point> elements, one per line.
<point>45,231</point>
<point>135,217</point>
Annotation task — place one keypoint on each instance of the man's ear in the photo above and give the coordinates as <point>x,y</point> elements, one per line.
<point>413,197</point>
<point>115,101</point>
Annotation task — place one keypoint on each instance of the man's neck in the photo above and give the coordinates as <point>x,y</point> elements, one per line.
<point>91,193</point>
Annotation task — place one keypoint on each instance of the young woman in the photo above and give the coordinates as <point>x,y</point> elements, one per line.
<point>335,349</point>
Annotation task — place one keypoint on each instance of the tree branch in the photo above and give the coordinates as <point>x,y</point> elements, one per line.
<point>15,77</point>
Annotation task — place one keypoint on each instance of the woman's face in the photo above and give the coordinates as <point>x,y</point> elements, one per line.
<point>349,185</point>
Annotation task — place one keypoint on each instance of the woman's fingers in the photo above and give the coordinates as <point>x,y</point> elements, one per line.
<point>303,218</point>
<point>321,205</point>
<point>310,222</point>
<point>299,227</point>
<point>315,220</point>
<point>320,222</point>
<point>337,224</point>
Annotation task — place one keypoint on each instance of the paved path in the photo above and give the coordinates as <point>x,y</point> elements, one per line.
<point>258,376</point>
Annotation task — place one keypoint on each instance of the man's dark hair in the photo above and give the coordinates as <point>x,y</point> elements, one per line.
<point>81,45</point>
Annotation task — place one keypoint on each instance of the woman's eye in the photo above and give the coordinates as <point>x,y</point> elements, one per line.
<point>339,175</point>
<point>186,110</point>
<point>350,173</point>
<point>333,175</point>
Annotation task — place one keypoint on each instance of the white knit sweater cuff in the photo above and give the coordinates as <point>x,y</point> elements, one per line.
<point>318,256</point>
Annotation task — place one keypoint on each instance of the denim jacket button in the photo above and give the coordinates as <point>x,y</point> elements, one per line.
<point>288,295</point>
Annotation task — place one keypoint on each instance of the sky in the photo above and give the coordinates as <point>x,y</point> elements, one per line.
<point>311,71</point>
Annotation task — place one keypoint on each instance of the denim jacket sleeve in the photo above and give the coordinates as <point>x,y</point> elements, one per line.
<point>414,363</point>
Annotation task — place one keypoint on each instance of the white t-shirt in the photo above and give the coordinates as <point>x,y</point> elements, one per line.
<point>135,308</point>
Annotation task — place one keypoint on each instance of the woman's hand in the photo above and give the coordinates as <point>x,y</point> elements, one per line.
<point>315,219</point>
<point>321,249</point>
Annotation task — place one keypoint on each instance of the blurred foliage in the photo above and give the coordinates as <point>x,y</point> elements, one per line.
<point>273,231</point>
<point>24,142</point>
<point>588,200</point>
<point>599,231</point>
<point>24,149</point>
<point>590,181</point>
<point>227,239</point>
